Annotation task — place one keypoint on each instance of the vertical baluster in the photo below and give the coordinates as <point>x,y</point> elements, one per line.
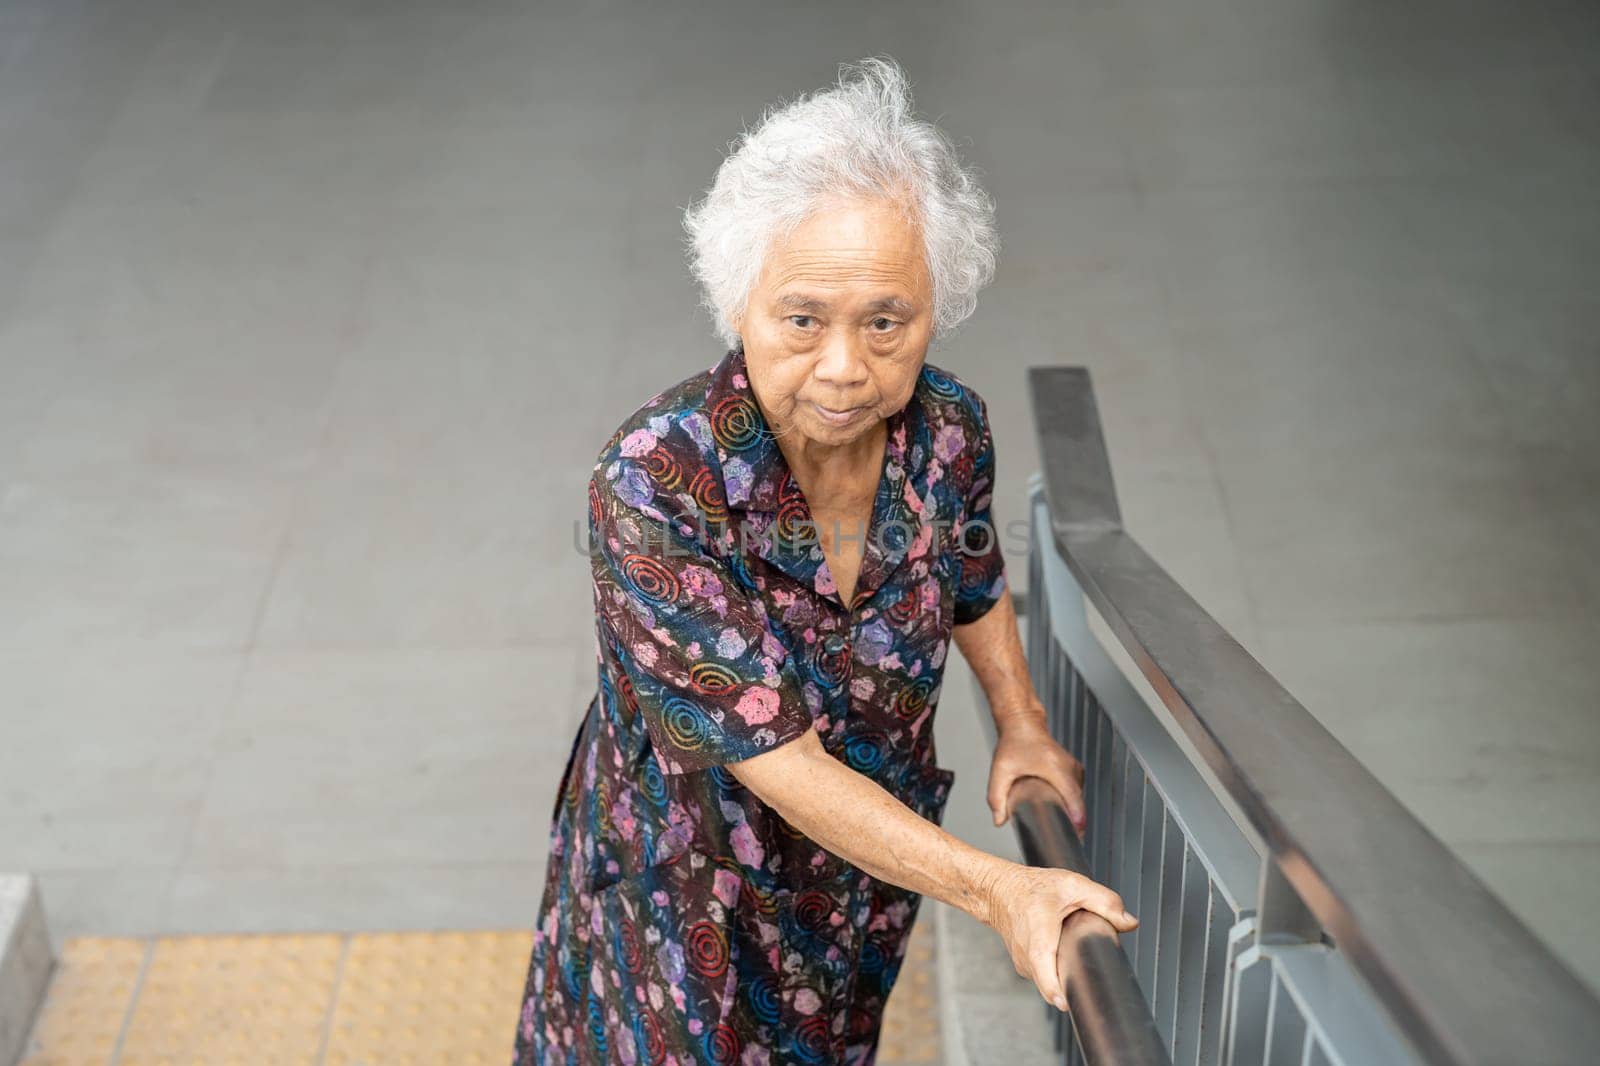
<point>1070,738</point>
<point>1034,613</point>
<point>1155,821</point>
<point>1064,686</point>
<point>1049,652</point>
<point>1247,1033</point>
<point>1132,835</point>
<point>1091,742</point>
<point>1241,937</point>
<point>1219,920</point>
<point>1286,1028</point>
<point>1055,706</point>
<point>1080,720</point>
<point>1193,923</point>
<point>1066,674</point>
<point>1117,782</point>
<point>1167,943</point>
<point>1105,749</point>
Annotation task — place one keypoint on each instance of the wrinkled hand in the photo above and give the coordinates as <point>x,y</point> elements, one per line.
<point>1029,904</point>
<point>1026,749</point>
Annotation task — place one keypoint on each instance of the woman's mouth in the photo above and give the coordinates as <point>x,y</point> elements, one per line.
<point>838,417</point>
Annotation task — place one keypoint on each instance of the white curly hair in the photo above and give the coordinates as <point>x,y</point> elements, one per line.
<point>858,138</point>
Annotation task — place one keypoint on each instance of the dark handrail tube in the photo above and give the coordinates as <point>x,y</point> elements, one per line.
<point>1108,1011</point>
<point>1460,976</point>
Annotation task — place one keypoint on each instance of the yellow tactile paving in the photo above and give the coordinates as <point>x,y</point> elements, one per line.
<point>234,1001</point>
<point>90,992</point>
<point>363,999</point>
<point>419,999</point>
<point>910,1033</point>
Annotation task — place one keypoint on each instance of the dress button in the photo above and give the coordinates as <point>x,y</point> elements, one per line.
<point>834,644</point>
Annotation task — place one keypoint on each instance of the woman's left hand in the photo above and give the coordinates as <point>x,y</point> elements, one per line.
<point>1026,749</point>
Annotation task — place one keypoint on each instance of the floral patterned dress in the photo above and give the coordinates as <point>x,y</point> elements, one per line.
<point>683,920</point>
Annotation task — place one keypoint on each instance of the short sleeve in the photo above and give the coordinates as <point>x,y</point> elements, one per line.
<point>978,546</point>
<point>710,680</point>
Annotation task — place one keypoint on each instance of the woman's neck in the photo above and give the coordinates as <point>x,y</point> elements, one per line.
<point>836,472</point>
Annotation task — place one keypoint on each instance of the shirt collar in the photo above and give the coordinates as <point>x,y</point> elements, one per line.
<point>756,477</point>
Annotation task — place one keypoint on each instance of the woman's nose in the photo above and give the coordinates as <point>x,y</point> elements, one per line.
<point>841,365</point>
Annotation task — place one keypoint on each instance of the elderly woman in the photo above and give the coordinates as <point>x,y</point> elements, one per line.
<point>782,547</point>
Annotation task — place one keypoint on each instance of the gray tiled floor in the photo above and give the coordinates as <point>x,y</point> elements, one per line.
<point>312,315</point>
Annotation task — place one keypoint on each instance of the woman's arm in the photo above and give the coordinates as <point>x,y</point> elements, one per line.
<point>993,648</point>
<point>856,818</point>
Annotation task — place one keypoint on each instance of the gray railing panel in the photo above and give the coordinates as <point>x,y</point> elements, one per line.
<point>1384,888</point>
<point>1160,837</point>
<point>1241,957</point>
<point>1227,852</point>
<point>1181,871</point>
<point>1346,1025</point>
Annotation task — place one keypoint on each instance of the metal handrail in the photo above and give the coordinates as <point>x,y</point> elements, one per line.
<point>1459,976</point>
<point>1105,1006</point>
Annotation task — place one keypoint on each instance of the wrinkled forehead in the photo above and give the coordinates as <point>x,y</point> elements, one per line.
<point>856,253</point>
<point>854,284</point>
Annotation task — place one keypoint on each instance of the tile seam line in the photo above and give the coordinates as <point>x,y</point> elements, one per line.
<point>333,1001</point>
<point>133,1001</point>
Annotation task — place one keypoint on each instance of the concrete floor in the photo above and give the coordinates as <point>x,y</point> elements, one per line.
<point>313,315</point>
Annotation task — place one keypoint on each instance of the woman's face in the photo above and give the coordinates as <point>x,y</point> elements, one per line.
<point>838,324</point>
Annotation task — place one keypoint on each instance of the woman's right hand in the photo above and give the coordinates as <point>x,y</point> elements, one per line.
<point>1027,907</point>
